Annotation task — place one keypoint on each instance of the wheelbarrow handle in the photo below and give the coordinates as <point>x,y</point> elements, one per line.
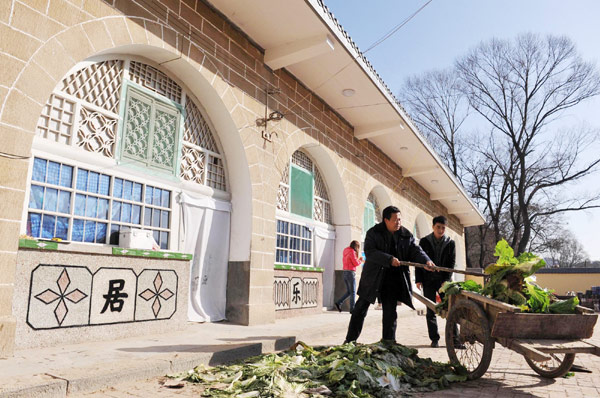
<point>436,268</point>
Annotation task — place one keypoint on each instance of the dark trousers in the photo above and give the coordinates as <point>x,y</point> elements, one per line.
<point>389,302</point>
<point>350,281</point>
<point>429,290</point>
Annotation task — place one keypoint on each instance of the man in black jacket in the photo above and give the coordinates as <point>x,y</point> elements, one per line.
<point>442,250</point>
<point>386,244</point>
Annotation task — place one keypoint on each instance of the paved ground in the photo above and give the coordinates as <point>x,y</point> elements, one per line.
<point>508,375</point>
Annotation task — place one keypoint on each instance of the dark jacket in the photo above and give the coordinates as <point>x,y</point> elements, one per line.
<point>377,268</point>
<point>447,259</point>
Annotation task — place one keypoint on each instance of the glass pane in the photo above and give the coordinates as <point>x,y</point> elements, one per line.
<point>116,211</point>
<point>126,212</point>
<point>148,195</point>
<point>104,185</point>
<point>118,188</point>
<point>91,205</point>
<point>66,176</point>
<point>53,173</point>
<point>103,208</point>
<point>79,204</point>
<point>33,224</point>
<point>93,179</point>
<point>82,176</point>
<point>62,228</point>
<point>90,231</point>
<point>135,214</point>
<point>164,240</point>
<point>147,216</point>
<point>156,235</point>
<point>155,218</point>
<point>36,197</point>
<point>77,233</point>
<point>39,170</point>
<point>64,202</point>
<point>156,197</point>
<point>114,234</point>
<point>164,219</point>
<point>51,199</point>
<point>127,190</point>
<point>101,233</point>
<point>165,202</point>
<point>137,192</point>
<point>48,226</point>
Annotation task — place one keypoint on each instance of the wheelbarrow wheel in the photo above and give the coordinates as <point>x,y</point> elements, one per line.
<point>558,366</point>
<point>468,338</point>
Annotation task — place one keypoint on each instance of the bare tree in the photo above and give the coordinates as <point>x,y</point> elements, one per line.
<point>519,88</point>
<point>438,106</point>
<point>566,251</point>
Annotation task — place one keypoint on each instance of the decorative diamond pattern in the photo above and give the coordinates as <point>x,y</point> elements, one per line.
<point>320,188</point>
<point>197,131</point>
<point>96,132</point>
<point>155,80</point>
<point>138,128</point>
<point>318,212</point>
<point>157,294</point>
<point>56,120</point>
<point>285,176</point>
<point>192,164</point>
<point>165,133</point>
<point>48,296</point>
<point>98,84</point>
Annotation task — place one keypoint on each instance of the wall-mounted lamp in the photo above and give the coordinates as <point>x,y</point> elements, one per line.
<point>348,92</point>
<point>434,181</point>
<point>274,116</point>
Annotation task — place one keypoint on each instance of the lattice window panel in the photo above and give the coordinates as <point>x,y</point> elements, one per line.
<point>301,159</point>
<point>155,80</point>
<point>96,132</point>
<point>99,84</point>
<point>320,188</point>
<point>164,142</point>
<point>285,176</point>
<point>373,200</point>
<point>322,211</point>
<point>283,198</point>
<point>193,164</point>
<point>216,173</point>
<point>197,130</point>
<point>57,119</point>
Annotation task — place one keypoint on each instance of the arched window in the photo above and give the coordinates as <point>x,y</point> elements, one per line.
<point>371,214</point>
<point>139,118</point>
<point>302,199</point>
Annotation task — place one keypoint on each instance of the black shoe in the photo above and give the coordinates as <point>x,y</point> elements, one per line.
<point>459,346</point>
<point>338,307</point>
<point>435,344</point>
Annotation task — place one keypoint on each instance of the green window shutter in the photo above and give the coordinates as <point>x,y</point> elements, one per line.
<point>151,131</point>
<point>301,192</point>
<point>368,218</point>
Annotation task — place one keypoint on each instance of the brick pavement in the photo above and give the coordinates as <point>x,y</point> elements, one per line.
<point>508,375</point>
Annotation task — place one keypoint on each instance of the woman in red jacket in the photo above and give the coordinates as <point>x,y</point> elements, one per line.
<point>350,261</point>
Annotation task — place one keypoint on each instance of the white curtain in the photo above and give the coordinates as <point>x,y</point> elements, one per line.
<point>325,258</point>
<point>206,231</point>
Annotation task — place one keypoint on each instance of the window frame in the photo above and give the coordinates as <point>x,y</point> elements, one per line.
<point>77,160</point>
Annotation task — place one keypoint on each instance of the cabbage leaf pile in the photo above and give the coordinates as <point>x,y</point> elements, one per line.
<point>383,369</point>
<point>511,280</point>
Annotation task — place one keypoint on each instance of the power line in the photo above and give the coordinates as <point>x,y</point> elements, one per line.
<point>396,28</point>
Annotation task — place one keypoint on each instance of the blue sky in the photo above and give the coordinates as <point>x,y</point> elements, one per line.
<point>447,29</point>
